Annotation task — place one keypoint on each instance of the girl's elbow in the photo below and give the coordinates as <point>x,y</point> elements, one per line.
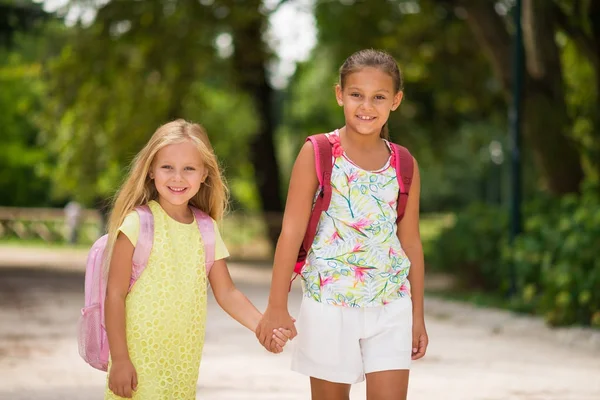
<point>291,236</point>
<point>115,295</point>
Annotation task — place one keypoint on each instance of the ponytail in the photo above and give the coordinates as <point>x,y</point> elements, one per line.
<point>385,132</point>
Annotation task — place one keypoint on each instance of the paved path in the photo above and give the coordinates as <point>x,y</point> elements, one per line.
<point>475,354</point>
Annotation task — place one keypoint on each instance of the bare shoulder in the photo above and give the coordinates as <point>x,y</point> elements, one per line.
<point>306,155</point>
<point>304,170</point>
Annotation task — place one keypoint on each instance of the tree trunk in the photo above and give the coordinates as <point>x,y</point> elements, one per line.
<point>554,154</point>
<point>594,56</point>
<point>573,22</point>
<point>545,122</point>
<point>250,58</point>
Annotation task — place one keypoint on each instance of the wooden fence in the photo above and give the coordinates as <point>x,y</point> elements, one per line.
<point>244,233</point>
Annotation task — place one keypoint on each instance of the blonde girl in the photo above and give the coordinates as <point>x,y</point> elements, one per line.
<point>156,330</point>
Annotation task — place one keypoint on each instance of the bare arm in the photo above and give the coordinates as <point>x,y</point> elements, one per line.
<point>117,288</point>
<point>231,300</point>
<point>410,238</point>
<point>303,186</point>
<point>237,305</point>
<point>122,379</point>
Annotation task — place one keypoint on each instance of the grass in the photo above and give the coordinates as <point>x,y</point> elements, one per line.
<point>37,243</point>
<point>475,297</point>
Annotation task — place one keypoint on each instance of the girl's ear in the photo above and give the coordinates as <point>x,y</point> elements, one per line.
<point>204,175</point>
<point>338,95</point>
<point>397,100</point>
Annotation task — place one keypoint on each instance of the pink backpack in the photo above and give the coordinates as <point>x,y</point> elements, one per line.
<point>92,339</point>
<point>322,147</point>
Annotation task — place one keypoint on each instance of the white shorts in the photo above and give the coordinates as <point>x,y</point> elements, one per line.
<point>342,344</point>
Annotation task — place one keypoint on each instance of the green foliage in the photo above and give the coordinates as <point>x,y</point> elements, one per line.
<point>557,269</point>
<point>230,120</point>
<point>425,37</point>
<point>448,116</point>
<point>20,153</point>
<point>471,248</point>
<point>137,66</point>
<point>556,260</point>
<point>582,105</point>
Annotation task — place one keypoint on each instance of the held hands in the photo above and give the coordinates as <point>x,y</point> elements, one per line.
<point>420,340</point>
<point>274,329</point>
<point>279,339</point>
<point>122,380</point>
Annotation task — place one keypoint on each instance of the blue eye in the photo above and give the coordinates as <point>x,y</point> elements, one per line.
<point>166,167</point>
<point>190,168</point>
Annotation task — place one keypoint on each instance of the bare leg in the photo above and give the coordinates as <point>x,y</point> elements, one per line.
<point>325,390</point>
<point>387,385</point>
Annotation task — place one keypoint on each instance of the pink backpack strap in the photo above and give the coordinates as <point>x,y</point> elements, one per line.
<point>404,164</point>
<point>141,254</point>
<point>323,166</point>
<point>207,232</point>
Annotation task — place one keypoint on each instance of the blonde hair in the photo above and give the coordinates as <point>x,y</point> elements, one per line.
<point>138,189</point>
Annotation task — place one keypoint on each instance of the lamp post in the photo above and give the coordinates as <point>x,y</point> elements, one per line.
<point>515,136</point>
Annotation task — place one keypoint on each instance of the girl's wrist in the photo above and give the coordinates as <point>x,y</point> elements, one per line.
<point>418,317</point>
<point>254,324</point>
<point>119,358</point>
<point>277,302</point>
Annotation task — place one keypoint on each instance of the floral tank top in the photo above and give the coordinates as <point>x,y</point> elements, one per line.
<point>356,259</point>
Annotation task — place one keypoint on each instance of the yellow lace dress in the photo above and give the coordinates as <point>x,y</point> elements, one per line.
<point>166,309</point>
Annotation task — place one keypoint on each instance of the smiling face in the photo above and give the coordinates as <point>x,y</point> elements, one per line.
<point>368,96</point>
<point>178,172</point>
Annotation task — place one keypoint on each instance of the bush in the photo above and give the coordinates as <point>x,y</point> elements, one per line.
<point>470,249</point>
<point>556,258</point>
<point>557,263</point>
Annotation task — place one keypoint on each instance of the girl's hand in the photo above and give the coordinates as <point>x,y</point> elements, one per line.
<point>122,380</point>
<point>280,338</point>
<point>271,321</point>
<point>420,340</point>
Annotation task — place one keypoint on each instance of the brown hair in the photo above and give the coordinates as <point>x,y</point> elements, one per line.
<point>377,59</point>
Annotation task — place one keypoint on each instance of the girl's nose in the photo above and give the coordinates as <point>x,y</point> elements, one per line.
<point>367,104</point>
<point>178,176</point>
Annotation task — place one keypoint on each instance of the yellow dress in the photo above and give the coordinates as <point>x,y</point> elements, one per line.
<point>166,309</point>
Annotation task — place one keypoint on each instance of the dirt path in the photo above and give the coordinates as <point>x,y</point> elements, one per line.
<point>474,354</point>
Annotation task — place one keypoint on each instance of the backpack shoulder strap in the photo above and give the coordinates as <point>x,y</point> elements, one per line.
<point>323,167</point>
<point>141,254</point>
<point>323,164</point>
<point>207,231</point>
<point>404,164</point>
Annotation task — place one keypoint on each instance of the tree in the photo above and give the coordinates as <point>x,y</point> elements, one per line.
<point>140,64</point>
<point>448,114</point>
<point>250,58</point>
<point>547,123</point>
<point>19,16</point>
<point>21,25</point>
